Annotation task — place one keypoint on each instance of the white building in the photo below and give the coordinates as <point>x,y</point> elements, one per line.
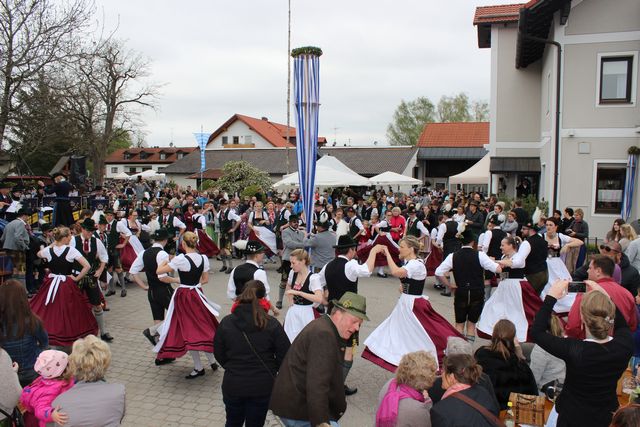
<point>136,160</point>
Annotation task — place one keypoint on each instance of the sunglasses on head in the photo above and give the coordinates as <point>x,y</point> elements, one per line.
<point>608,249</point>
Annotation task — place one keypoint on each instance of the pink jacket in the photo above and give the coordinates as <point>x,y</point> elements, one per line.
<point>37,397</point>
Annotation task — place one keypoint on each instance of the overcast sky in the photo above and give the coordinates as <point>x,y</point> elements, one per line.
<point>217,58</point>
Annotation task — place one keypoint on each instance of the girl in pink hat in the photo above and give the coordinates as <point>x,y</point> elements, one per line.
<point>53,381</point>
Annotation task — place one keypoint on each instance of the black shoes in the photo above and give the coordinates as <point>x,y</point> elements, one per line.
<point>194,374</point>
<point>438,286</point>
<point>279,305</point>
<point>214,366</point>
<point>348,391</point>
<point>383,275</point>
<point>160,362</point>
<point>445,293</point>
<point>151,338</point>
<point>123,293</point>
<point>229,270</point>
<point>109,293</point>
<point>224,267</point>
<point>106,337</point>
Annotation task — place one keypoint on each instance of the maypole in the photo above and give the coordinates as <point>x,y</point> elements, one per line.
<point>202,138</point>
<point>306,71</point>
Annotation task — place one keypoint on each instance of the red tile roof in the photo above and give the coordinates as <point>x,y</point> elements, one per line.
<point>208,174</point>
<point>466,134</point>
<point>500,13</point>
<point>274,133</point>
<point>153,155</point>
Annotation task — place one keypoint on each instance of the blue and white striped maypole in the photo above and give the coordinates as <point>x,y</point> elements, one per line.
<point>306,72</point>
<point>629,185</point>
<point>202,138</point>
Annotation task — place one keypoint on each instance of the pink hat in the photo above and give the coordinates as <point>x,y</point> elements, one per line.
<point>51,363</point>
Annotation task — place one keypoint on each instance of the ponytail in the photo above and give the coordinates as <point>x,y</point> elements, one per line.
<point>253,292</point>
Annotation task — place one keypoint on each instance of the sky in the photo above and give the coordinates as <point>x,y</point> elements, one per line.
<point>217,58</point>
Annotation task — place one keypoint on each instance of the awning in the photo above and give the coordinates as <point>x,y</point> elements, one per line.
<point>515,164</point>
<point>441,153</point>
<point>476,174</point>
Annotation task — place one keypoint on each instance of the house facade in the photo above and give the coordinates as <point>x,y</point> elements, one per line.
<point>136,160</point>
<point>564,111</point>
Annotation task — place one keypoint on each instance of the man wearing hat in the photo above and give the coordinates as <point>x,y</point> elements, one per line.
<point>250,270</point>
<point>292,239</point>
<point>169,221</point>
<point>62,212</point>
<point>11,212</point>
<point>309,387</point>
<point>355,224</point>
<point>415,227</point>
<point>340,276</point>
<point>229,221</point>
<point>5,198</point>
<point>321,244</point>
<point>93,250</point>
<point>15,240</point>
<point>532,256</point>
<point>468,267</point>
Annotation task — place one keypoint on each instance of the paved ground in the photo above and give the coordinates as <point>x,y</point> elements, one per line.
<point>160,396</point>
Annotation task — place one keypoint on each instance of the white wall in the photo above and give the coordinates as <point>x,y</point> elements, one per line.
<point>241,130</point>
<point>124,167</point>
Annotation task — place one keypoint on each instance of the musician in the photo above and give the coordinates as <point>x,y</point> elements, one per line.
<point>62,212</point>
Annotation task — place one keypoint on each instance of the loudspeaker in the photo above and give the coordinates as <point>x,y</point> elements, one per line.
<point>78,169</point>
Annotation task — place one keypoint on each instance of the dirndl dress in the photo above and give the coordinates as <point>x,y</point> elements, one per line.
<point>190,323</point>
<point>206,245</point>
<point>413,325</point>
<point>132,249</point>
<point>302,311</point>
<point>381,258</point>
<point>62,306</point>
<point>558,271</point>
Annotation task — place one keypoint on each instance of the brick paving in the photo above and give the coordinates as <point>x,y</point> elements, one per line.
<point>160,396</point>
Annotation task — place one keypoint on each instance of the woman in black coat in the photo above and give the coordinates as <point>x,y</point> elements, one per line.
<point>250,345</point>
<point>505,364</point>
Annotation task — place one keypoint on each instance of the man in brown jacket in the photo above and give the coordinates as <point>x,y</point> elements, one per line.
<point>309,389</point>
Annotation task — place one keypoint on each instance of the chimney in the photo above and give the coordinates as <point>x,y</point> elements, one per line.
<point>266,119</point>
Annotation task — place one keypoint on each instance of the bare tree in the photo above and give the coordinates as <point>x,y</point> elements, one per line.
<point>109,83</point>
<point>34,36</point>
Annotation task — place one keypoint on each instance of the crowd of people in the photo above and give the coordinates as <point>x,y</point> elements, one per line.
<point>512,276</point>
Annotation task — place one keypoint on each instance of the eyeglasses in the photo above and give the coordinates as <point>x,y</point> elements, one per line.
<point>608,249</point>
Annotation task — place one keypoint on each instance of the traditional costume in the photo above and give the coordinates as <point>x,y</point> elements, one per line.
<point>302,311</point>
<point>133,247</point>
<point>262,233</point>
<point>205,246</point>
<point>413,325</point>
<point>250,270</point>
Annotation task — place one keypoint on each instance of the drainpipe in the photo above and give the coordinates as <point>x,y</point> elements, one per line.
<point>556,165</point>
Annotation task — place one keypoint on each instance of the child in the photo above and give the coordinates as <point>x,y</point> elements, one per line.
<point>36,398</point>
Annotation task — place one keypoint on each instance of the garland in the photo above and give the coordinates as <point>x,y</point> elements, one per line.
<point>306,50</point>
<point>634,150</point>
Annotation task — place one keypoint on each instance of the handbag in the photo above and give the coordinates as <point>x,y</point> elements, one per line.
<point>528,409</point>
<point>14,418</point>
<point>484,411</point>
<point>246,338</point>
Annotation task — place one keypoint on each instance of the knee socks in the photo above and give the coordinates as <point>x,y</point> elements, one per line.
<point>197,363</point>
<point>121,279</point>
<point>99,315</point>
<point>283,287</point>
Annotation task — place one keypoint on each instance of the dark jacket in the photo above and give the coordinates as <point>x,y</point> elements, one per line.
<point>453,412</point>
<point>310,384</point>
<point>244,374</point>
<point>630,276</point>
<point>511,375</point>
<point>436,391</point>
<point>25,350</point>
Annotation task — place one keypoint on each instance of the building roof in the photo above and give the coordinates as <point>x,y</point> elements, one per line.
<point>208,174</point>
<point>367,161</point>
<point>152,155</point>
<point>497,14</point>
<point>451,153</point>
<point>514,164</point>
<point>272,132</point>
<point>457,134</point>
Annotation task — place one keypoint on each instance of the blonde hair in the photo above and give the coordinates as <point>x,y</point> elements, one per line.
<point>626,230</point>
<point>417,370</point>
<point>89,359</point>
<point>579,212</point>
<point>396,209</point>
<point>60,233</point>
<point>597,312</point>
<point>412,242</point>
<point>190,239</point>
<point>301,255</point>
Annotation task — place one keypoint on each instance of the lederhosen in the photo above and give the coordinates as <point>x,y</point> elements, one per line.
<point>113,238</point>
<point>338,284</point>
<point>494,250</point>
<point>225,225</point>
<point>170,247</point>
<point>450,243</point>
<point>159,293</point>
<point>297,299</point>
<point>89,284</point>
<point>242,274</point>
<point>468,299</point>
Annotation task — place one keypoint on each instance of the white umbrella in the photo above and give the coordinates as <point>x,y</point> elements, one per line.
<point>121,175</point>
<point>326,177</point>
<point>392,178</point>
<point>149,174</point>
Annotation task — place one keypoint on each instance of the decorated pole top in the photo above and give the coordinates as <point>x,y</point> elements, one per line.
<point>306,50</point>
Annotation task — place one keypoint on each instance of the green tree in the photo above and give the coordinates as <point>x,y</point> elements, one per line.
<point>480,111</point>
<point>238,175</point>
<point>409,120</point>
<point>454,108</point>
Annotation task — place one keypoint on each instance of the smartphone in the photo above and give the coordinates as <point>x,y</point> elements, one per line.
<point>577,287</point>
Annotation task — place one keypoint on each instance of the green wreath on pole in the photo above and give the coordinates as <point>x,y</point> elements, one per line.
<point>306,50</point>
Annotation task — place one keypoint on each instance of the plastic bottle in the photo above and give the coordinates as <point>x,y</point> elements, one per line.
<point>509,419</point>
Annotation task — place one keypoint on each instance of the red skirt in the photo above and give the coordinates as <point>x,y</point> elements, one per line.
<point>192,326</point>
<point>128,256</point>
<point>206,246</point>
<point>381,258</point>
<point>267,251</point>
<point>66,318</point>
<point>434,259</point>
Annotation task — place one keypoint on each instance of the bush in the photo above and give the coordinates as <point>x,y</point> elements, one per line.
<point>529,204</point>
<point>252,190</point>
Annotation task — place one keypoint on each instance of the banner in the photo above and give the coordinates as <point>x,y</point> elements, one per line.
<point>202,138</point>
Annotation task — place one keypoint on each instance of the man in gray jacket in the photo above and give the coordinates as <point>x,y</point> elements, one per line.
<point>15,240</point>
<point>321,244</point>
<point>292,238</point>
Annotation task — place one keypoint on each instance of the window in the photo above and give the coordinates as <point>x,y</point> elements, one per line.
<point>132,170</point>
<point>127,156</point>
<point>143,155</point>
<point>609,188</point>
<point>247,139</point>
<point>114,169</point>
<point>163,156</point>
<point>236,140</point>
<point>616,79</point>
<point>179,154</point>
<point>146,168</point>
<point>225,140</point>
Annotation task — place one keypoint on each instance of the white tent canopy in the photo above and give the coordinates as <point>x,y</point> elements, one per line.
<point>330,172</point>
<point>392,178</point>
<point>149,174</point>
<point>121,175</point>
<point>476,174</point>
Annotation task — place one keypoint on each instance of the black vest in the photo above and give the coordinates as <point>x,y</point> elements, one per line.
<point>297,299</point>
<point>168,225</point>
<point>196,223</point>
<point>59,264</point>
<point>413,229</point>
<point>412,286</point>
<point>450,243</point>
<point>191,277</point>
<point>242,274</point>
<point>494,245</point>
<point>537,259</point>
<point>337,281</point>
<point>92,256</point>
<point>353,228</point>
<point>150,266</point>
<point>467,270</point>
<point>225,222</point>
<point>113,237</point>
